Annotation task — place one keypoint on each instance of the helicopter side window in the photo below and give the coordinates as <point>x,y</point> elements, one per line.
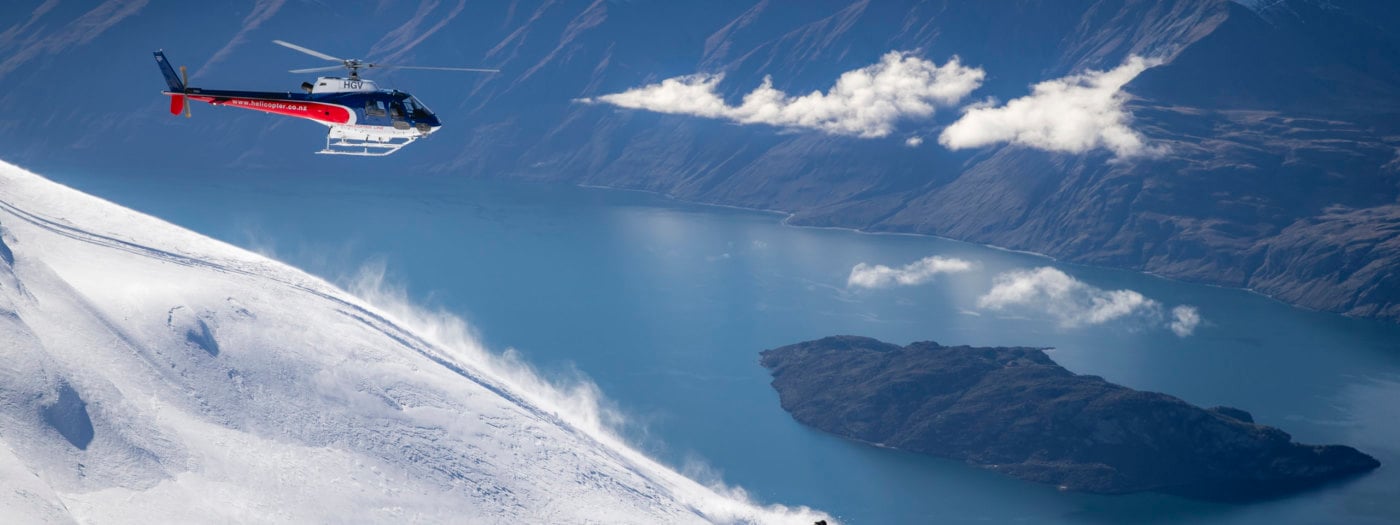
<point>410,106</point>
<point>375,108</point>
<point>396,110</point>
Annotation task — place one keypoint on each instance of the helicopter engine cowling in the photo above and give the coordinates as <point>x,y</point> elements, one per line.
<point>343,85</point>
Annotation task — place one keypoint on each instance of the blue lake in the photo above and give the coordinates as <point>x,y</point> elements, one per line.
<point>666,305</point>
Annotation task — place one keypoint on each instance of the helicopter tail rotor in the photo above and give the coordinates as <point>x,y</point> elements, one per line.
<point>184,80</point>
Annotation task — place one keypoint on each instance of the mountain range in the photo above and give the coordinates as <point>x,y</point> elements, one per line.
<point>1254,144</point>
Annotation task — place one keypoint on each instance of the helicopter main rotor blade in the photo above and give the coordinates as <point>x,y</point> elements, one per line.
<point>474,69</point>
<point>311,52</point>
<point>316,69</point>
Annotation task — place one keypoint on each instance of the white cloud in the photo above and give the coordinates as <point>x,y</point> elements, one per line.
<point>1073,114</point>
<point>1185,319</point>
<point>918,272</point>
<point>1066,298</point>
<point>686,95</point>
<point>865,102</point>
<point>914,142</point>
<point>1075,303</point>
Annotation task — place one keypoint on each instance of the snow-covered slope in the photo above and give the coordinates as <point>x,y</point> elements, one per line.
<point>149,374</point>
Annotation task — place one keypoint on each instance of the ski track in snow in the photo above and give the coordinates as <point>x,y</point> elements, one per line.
<point>152,374</point>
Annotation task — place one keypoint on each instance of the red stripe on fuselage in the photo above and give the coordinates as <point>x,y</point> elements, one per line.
<point>328,113</point>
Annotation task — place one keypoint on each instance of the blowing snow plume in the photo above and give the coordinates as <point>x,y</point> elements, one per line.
<point>1073,114</point>
<point>865,102</point>
<point>401,414</point>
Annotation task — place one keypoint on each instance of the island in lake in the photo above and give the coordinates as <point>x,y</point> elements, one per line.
<point>1014,410</point>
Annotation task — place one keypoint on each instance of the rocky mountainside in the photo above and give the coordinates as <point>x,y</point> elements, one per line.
<point>1015,411</point>
<point>1272,126</point>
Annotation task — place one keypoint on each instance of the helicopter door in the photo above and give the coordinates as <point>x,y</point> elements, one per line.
<point>397,112</point>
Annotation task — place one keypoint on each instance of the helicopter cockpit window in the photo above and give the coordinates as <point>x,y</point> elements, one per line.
<point>408,104</point>
<point>417,107</point>
<point>375,108</point>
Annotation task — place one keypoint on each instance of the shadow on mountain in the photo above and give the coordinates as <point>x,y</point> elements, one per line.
<point>69,416</point>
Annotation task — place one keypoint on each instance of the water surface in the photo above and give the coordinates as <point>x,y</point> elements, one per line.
<point>666,305</point>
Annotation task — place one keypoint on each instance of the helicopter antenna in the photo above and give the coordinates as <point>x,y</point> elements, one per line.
<point>355,64</point>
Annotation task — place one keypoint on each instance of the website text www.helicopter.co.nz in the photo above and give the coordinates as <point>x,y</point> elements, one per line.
<point>268,105</point>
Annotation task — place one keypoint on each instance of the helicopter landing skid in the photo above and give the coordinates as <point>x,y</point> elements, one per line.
<point>361,142</point>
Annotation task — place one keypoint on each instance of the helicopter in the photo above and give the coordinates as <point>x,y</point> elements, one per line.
<point>364,120</point>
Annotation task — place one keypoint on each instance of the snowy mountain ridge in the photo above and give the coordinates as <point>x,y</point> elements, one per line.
<point>152,374</point>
